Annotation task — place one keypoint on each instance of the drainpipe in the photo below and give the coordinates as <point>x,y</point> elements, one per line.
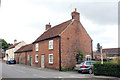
<point>59,53</point>
<point>92,48</point>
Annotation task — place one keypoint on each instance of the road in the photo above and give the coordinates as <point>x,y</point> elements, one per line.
<point>20,71</point>
<point>23,71</point>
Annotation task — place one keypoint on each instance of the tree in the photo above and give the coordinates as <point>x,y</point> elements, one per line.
<point>10,44</point>
<point>79,56</point>
<point>98,47</point>
<point>3,44</point>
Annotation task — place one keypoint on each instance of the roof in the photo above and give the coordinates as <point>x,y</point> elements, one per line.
<point>25,48</point>
<point>12,46</point>
<point>53,32</point>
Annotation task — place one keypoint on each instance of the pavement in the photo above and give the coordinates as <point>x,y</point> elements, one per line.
<point>25,71</point>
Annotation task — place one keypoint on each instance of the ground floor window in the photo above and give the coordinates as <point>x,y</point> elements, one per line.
<point>88,57</point>
<point>51,58</point>
<point>36,58</point>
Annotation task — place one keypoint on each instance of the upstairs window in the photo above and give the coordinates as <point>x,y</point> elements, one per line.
<point>50,44</point>
<point>37,47</point>
<point>36,58</point>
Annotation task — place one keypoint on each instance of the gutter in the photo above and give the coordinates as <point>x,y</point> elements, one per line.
<point>59,53</point>
<point>92,48</point>
<point>24,51</point>
<point>45,39</point>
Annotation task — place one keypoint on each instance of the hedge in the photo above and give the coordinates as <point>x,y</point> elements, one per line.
<point>107,69</point>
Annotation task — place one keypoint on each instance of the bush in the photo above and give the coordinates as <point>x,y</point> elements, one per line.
<point>67,69</point>
<point>107,69</point>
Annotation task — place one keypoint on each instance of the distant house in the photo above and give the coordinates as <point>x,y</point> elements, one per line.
<point>24,55</point>
<point>58,46</point>
<point>10,51</point>
<point>108,53</point>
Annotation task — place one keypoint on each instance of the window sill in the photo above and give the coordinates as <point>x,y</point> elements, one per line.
<point>50,63</point>
<point>50,49</point>
<point>36,51</point>
<point>36,62</point>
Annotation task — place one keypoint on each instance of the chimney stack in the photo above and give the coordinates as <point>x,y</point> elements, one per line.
<point>75,15</point>
<point>48,26</point>
<point>15,41</point>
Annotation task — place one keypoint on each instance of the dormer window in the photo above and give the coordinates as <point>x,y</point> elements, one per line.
<point>50,44</point>
<point>37,47</point>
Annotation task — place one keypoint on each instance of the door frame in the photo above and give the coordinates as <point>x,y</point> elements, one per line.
<point>41,60</point>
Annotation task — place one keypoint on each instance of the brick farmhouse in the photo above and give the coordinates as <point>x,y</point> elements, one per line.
<point>58,46</point>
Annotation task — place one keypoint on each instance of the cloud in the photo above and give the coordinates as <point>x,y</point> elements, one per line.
<point>26,19</point>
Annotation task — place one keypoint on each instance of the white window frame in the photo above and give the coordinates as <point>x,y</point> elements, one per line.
<point>28,57</point>
<point>50,44</point>
<point>36,60</point>
<point>50,60</point>
<point>36,47</point>
<point>89,57</point>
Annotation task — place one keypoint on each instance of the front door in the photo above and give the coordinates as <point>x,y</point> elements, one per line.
<point>42,61</point>
<point>31,60</point>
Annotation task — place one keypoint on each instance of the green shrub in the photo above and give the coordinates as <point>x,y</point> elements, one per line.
<point>118,61</point>
<point>67,69</point>
<point>107,69</point>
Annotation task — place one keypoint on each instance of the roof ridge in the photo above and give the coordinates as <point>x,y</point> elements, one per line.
<point>54,31</point>
<point>12,46</point>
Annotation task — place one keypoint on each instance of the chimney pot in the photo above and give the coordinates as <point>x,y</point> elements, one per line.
<point>15,41</point>
<point>75,10</point>
<point>75,15</point>
<point>48,26</point>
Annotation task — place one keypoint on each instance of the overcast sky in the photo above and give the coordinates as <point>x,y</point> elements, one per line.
<point>25,20</point>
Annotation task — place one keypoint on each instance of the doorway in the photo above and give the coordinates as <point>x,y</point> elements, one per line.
<point>42,61</point>
<point>31,61</point>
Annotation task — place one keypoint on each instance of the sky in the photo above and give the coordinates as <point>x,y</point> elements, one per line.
<point>25,20</point>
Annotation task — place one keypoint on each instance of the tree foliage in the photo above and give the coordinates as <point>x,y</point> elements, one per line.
<point>98,47</point>
<point>3,44</point>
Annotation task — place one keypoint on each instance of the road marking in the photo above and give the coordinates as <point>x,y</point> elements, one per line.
<point>38,76</point>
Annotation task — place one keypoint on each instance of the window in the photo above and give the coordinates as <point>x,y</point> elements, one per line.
<point>36,58</point>
<point>50,58</point>
<point>28,57</point>
<point>51,44</point>
<point>88,57</point>
<point>37,47</point>
<point>88,63</point>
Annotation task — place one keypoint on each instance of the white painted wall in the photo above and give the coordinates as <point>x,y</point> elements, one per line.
<point>11,51</point>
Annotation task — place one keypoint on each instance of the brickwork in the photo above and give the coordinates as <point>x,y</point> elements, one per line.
<point>73,40</point>
<point>44,49</point>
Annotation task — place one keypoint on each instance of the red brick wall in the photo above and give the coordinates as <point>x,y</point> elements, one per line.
<point>74,39</point>
<point>23,58</point>
<point>16,57</point>
<point>28,61</point>
<point>44,49</point>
